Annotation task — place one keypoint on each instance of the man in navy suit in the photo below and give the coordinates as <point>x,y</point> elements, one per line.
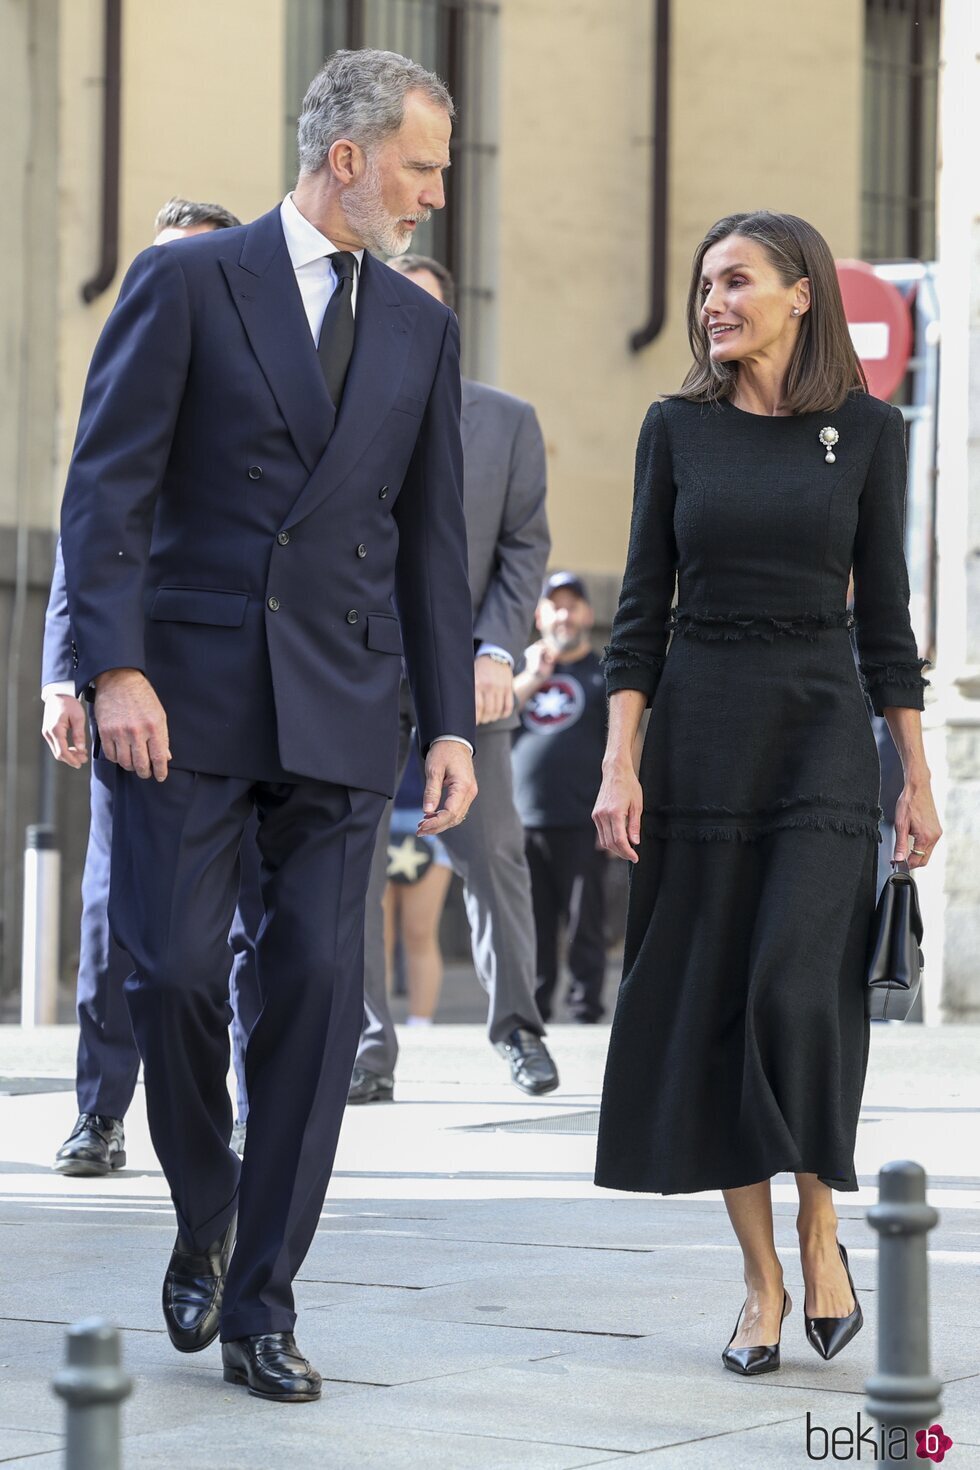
<point>263,510</point>
<point>107,1062</point>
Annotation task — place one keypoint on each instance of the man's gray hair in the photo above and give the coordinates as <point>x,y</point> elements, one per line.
<point>360,95</point>
<point>410,265</point>
<point>183,214</point>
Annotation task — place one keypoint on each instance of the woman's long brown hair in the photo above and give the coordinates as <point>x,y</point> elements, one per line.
<point>825,367</point>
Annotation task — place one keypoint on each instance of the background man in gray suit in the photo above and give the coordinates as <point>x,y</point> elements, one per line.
<point>504,481</point>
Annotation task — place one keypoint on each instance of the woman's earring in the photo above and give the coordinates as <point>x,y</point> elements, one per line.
<point>796,311</point>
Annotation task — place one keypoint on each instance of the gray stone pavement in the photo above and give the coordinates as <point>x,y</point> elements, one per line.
<point>472,1300</point>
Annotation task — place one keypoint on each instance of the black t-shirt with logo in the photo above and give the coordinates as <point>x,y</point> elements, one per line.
<point>559,745</point>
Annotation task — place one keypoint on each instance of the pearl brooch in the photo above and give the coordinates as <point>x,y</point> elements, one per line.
<point>828,438</point>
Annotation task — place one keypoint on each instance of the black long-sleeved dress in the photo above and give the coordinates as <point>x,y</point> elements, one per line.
<point>740,1041</point>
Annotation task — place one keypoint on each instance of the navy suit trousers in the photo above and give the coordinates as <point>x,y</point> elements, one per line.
<point>108,1058</point>
<point>175,882</point>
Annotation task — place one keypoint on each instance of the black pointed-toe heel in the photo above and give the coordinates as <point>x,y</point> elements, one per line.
<point>752,1360</point>
<point>828,1335</point>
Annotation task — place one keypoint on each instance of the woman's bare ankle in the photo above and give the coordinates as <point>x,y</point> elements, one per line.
<point>764,1282</point>
<point>817,1233</point>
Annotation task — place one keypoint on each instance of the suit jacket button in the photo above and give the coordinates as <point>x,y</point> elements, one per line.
<point>254,472</point>
<point>362,550</point>
<point>283,538</point>
<point>383,493</point>
<point>273,604</point>
<point>352,616</point>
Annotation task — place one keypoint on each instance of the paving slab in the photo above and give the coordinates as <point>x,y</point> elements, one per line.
<point>410,1257</point>
<point>692,1349</point>
<point>315,1439</point>
<point>170,1390</point>
<point>562,1401</point>
<point>388,1348</point>
<point>781,1445</point>
<point>15,1443</point>
<point>960,1413</point>
<point>113,1269</point>
<point>636,1295</point>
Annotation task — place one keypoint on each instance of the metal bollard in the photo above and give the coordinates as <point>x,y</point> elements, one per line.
<point>903,1395</point>
<point>93,1386</point>
<point>39,952</point>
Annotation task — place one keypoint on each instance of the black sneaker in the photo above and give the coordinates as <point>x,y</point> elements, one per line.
<point>96,1145</point>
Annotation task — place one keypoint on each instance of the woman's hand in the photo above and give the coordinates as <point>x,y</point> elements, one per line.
<point>618,809</point>
<point>917,828</point>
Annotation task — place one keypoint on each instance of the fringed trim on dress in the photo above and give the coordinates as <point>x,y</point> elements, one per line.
<point>616,656</point>
<point>896,676</point>
<point>729,627</point>
<point>723,824</point>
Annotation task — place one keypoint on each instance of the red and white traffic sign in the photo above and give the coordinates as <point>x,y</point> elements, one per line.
<point>880,323</point>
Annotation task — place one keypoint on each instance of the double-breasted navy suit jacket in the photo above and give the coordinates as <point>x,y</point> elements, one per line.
<point>264,560</point>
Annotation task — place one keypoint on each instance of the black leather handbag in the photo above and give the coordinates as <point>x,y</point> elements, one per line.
<point>895,959</point>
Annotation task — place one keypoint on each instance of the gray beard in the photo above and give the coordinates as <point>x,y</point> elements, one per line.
<point>363,205</point>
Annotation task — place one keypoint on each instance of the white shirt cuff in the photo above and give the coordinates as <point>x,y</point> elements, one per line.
<point>494,648</point>
<point>457,739</point>
<point>59,686</point>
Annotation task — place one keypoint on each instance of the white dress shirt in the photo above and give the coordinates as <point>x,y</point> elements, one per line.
<point>310,254</point>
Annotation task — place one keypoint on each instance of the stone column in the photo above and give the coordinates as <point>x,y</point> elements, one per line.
<point>952,892</point>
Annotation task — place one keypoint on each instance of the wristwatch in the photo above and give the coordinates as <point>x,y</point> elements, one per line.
<point>498,658</point>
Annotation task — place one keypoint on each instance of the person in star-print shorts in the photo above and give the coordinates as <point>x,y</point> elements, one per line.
<point>557,760</point>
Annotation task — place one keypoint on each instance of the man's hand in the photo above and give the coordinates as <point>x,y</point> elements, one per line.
<point>539,661</point>
<point>494,689</point>
<point>63,727</point>
<point>132,723</point>
<point>539,665</point>
<point>448,777</point>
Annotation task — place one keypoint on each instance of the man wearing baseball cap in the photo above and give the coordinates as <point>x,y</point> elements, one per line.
<point>557,762</point>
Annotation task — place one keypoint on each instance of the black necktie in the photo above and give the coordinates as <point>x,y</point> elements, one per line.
<point>337,332</point>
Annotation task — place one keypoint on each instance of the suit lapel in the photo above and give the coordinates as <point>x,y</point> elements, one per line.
<point>383,330</point>
<point>263,287</point>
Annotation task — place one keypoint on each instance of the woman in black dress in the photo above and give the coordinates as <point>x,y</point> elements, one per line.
<point>740,1041</point>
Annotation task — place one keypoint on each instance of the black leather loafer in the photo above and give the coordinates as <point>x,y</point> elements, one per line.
<point>828,1335</point>
<point>369,1087</point>
<point>531,1067</point>
<point>750,1361</point>
<point>193,1289</point>
<point>271,1366</point>
<point>96,1145</point>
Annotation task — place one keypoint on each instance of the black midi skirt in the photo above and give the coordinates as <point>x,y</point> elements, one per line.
<point>740,1040</point>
